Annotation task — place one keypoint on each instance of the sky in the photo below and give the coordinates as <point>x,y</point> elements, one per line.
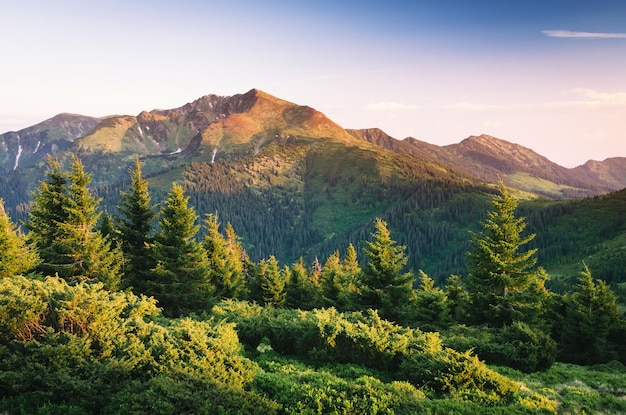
<point>547,74</point>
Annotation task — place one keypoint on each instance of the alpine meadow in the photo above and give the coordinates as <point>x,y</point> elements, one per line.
<point>246,255</point>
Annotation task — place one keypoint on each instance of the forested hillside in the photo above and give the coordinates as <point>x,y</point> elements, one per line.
<point>134,311</point>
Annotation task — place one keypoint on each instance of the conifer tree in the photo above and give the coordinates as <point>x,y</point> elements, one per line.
<point>503,284</point>
<point>17,256</point>
<point>331,280</point>
<point>457,298</point>
<point>430,312</point>
<point>272,282</point>
<point>135,226</point>
<point>302,291</point>
<point>48,210</point>
<point>225,260</point>
<point>180,279</point>
<point>338,280</point>
<point>351,262</point>
<point>385,286</point>
<point>63,225</point>
<point>591,314</point>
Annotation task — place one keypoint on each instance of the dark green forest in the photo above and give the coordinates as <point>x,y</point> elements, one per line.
<point>140,306</point>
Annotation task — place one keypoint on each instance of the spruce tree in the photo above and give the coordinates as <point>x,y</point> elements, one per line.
<point>17,256</point>
<point>63,225</point>
<point>503,284</point>
<point>225,260</point>
<point>180,278</point>
<point>47,212</point>
<point>135,227</point>
<point>338,280</point>
<point>272,282</point>
<point>430,311</point>
<point>591,315</point>
<point>302,291</point>
<point>385,286</point>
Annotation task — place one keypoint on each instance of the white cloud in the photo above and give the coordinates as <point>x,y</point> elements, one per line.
<point>391,106</point>
<point>583,35</point>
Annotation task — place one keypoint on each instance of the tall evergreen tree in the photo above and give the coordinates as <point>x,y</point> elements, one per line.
<point>302,290</point>
<point>225,256</point>
<point>385,286</point>
<point>47,212</point>
<point>272,282</point>
<point>339,280</point>
<point>180,280</point>
<point>502,283</point>
<point>63,225</point>
<point>17,256</point>
<point>135,226</point>
<point>430,311</point>
<point>591,315</point>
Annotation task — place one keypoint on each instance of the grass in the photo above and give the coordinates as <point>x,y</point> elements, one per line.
<point>599,389</point>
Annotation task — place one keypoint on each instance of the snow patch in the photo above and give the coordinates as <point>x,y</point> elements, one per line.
<point>37,148</point>
<point>213,155</point>
<point>178,150</point>
<point>17,157</point>
<point>140,131</point>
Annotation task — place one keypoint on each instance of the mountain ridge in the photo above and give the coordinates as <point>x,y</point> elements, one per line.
<point>215,127</point>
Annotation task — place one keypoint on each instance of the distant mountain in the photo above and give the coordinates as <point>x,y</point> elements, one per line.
<point>26,147</point>
<point>492,159</point>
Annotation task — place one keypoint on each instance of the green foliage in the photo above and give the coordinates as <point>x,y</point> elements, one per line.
<point>17,256</point>
<point>302,389</point>
<point>339,281</point>
<point>180,280</point>
<point>431,311</point>
<point>517,346</point>
<point>62,224</point>
<point>225,254</point>
<point>461,375</point>
<point>272,282</point>
<point>326,336</point>
<point>303,287</point>
<point>598,389</point>
<point>385,287</point>
<point>590,322</point>
<point>134,224</point>
<point>89,349</point>
<point>502,284</point>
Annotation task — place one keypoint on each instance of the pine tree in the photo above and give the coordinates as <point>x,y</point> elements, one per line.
<point>135,224</point>
<point>385,287</point>
<point>502,283</point>
<point>457,298</point>
<point>47,212</point>
<point>338,281</point>
<point>591,314</point>
<point>180,279</point>
<point>17,256</point>
<point>302,291</point>
<point>430,311</point>
<point>225,260</point>
<point>272,282</point>
<point>63,225</point>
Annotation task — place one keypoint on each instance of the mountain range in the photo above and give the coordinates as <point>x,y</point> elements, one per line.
<point>216,128</point>
<point>294,184</point>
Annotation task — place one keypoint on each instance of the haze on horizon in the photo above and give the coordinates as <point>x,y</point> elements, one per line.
<point>549,75</point>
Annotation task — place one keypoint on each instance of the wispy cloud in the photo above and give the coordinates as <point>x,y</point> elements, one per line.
<point>583,35</point>
<point>391,106</point>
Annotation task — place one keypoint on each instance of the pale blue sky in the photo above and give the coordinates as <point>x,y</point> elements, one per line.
<point>550,75</point>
